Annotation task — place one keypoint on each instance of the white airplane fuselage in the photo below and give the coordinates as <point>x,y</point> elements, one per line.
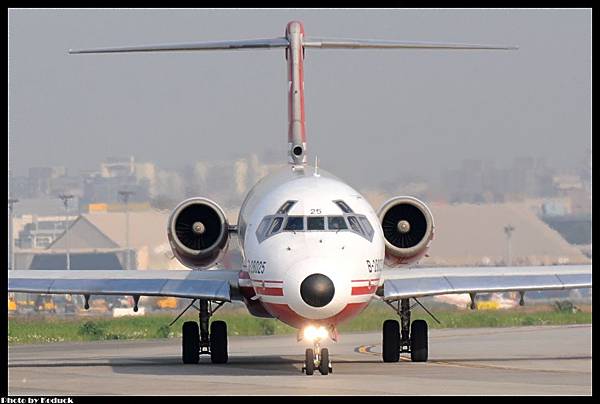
<point>315,235</point>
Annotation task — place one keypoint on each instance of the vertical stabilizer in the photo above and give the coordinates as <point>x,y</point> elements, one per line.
<point>296,118</point>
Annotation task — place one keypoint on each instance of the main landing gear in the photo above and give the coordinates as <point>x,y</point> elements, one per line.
<point>198,340</point>
<point>397,339</point>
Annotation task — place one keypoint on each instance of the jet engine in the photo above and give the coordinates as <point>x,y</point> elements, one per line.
<point>408,229</point>
<point>198,232</point>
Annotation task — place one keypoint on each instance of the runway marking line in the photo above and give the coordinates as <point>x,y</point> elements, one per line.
<point>367,349</point>
<point>509,330</point>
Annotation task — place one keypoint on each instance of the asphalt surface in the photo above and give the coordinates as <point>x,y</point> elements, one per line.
<point>547,360</point>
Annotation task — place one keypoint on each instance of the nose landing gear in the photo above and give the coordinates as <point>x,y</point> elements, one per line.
<point>317,358</point>
<point>405,337</point>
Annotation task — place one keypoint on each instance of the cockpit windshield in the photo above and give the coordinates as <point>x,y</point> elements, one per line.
<point>281,221</point>
<point>295,223</point>
<point>315,223</point>
<point>336,223</point>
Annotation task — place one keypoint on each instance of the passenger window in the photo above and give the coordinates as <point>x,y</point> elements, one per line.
<point>336,223</point>
<point>295,223</point>
<point>367,226</point>
<point>354,224</point>
<point>276,225</point>
<point>315,223</point>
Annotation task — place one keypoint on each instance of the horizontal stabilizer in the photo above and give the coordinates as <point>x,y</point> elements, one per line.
<point>341,43</point>
<point>195,46</point>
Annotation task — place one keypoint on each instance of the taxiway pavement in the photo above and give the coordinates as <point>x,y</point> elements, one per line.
<point>545,360</point>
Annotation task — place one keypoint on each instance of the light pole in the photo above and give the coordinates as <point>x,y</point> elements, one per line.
<point>65,198</point>
<point>508,231</point>
<point>124,194</point>
<point>11,254</point>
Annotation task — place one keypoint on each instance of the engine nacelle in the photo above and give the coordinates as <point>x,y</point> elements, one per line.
<point>408,229</point>
<point>198,232</point>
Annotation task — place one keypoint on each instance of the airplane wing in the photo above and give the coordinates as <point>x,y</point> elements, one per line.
<point>221,285</point>
<point>418,282</point>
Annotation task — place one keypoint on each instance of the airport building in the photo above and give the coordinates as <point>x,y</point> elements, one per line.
<point>474,234</point>
<point>99,241</point>
<point>466,234</point>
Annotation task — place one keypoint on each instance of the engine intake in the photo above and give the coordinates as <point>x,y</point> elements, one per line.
<point>408,228</point>
<point>198,232</point>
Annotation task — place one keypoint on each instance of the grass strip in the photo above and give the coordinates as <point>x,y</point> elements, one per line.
<point>47,329</point>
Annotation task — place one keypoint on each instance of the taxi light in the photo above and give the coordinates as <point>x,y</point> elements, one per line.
<point>313,333</point>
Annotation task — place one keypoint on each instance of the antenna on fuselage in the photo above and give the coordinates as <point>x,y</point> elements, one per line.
<point>295,44</point>
<point>316,174</point>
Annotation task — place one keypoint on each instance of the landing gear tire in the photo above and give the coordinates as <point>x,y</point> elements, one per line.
<point>190,342</point>
<point>324,363</point>
<point>309,362</point>
<point>218,342</point>
<point>391,341</point>
<point>418,341</point>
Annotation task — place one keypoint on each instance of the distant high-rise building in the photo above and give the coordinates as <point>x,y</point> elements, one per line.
<point>118,167</point>
<point>476,181</point>
<point>40,180</point>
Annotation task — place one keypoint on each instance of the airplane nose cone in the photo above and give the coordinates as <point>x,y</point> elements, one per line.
<point>317,290</point>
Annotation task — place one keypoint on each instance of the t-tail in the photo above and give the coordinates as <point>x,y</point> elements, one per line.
<point>295,43</point>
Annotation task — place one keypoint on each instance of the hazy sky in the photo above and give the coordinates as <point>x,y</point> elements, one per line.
<point>371,114</point>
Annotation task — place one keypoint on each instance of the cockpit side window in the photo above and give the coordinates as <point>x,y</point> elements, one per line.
<point>367,227</point>
<point>261,231</point>
<point>294,223</point>
<point>315,223</point>
<point>336,223</point>
<point>343,206</point>
<point>285,208</point>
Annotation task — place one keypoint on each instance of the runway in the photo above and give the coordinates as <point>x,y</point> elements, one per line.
<point>546,360</point>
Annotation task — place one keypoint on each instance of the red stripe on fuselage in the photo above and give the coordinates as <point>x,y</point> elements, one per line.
<point>269,291</point>
<point>284,313</point>
<point>363,290</point>
<point>247,292</point>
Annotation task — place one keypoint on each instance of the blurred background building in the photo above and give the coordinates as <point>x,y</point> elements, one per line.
<point>551,210</point>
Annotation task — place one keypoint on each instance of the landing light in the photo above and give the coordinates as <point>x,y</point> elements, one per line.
<point>313,333</point>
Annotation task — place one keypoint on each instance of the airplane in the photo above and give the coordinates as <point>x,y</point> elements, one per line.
<point>315,252</point>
